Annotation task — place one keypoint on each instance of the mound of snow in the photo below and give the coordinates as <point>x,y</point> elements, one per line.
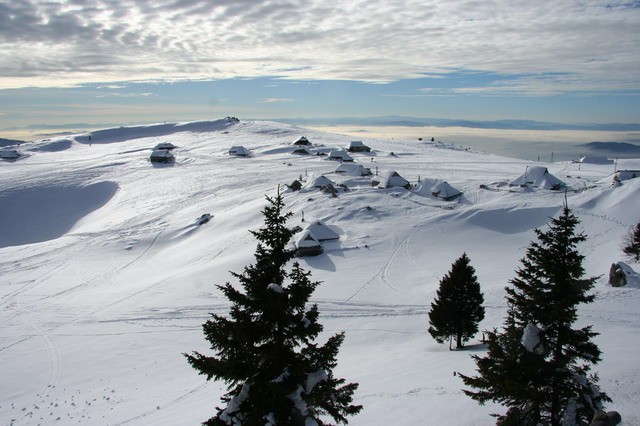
<point>125,133</point>
<point>620,203</point>
<point>51,145</point>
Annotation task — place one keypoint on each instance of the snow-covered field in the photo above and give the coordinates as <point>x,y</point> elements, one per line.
<point>105,278</point>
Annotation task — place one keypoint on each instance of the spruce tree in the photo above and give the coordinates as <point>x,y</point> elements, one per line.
<point>538,365</point>
<point>265,350</point>
<point>457,309</point>
<point>632,244</point>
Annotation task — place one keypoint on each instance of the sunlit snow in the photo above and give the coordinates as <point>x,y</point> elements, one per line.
<point>106,277</point>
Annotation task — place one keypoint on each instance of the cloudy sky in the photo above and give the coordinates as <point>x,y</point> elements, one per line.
<point>127,61</point>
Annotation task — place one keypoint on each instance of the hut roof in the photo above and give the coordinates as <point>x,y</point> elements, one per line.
<point>239,151</point>
<point>302,141</point>
<point>594,159</point>
<point>351,169</point>
<point>164,145</point>
<point>339,154</point>
<point>306,239</point>
<point>358,146</point>
<point>319,182</point>
<point>391,179</point>
<point>321,231</point>
<point>538,176</point>
<point>445,191</point>
<point>301,151</point>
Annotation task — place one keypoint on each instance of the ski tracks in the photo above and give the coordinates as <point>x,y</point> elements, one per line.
<point>383,273</point>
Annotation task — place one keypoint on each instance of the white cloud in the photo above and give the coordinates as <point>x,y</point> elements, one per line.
<point>276,100</point>
<point>594,43</point>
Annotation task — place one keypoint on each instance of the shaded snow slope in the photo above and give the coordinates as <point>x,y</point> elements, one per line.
<point>107,279</point>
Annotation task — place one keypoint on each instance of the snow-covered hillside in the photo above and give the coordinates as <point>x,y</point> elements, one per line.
<point>105,277</point>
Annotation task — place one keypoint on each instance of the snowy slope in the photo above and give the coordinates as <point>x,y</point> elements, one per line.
<point>106,278</point>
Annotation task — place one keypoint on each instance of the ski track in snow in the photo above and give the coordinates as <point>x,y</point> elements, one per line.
<point>383,273</point>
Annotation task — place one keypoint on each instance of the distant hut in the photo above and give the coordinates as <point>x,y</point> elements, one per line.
<point>340,155</point>
<point>539,177</point>
<point>594,159</point>
<point>358,146</point>
<point>205,218</point>
<point>307,244</point>
<point>301,151</point>
<point>351,169</point>
<point>239,151</point>
<point>302,141</point>
<point>622,175</point>
<point>445,191</point>
<point>162,156</point>
<point>9,154</point>
<point>165,145</point>
<point>319,182</point>
<point>295,185</point>
<point>390,179</point>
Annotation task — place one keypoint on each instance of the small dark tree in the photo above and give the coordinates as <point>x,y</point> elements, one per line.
<point>457,309</point>
<point>538,365</point>
<point>632,244</point>
<point>265,350</point>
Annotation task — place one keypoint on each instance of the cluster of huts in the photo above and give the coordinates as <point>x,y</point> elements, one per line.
<point>162,153</point>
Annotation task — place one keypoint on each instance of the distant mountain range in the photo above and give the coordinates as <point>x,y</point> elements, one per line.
<point>9,142</point>
<point>394,120</point>
<point>613,148</point>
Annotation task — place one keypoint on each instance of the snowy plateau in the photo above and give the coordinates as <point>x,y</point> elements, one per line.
<point>106,277</point>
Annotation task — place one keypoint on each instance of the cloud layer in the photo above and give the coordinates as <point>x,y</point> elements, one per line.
<point>544,47</point>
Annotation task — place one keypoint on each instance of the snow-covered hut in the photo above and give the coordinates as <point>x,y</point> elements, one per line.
<point>9,154</point>
<point>594,159</point>
<point>340,155</point>
<point>165,145</point>
<point>301,151</point>
<point>321,231</point>
<point>358,146</point>
<point>239,151</point>
<point>302,141</point>
<point>622,175</point>
<point>445,191</point>
<point>538,176</point>
<point>319,182</point>
<point>161,156</point>
<point>390,179</point>
<point>351,169</point>
<point>307,244</point>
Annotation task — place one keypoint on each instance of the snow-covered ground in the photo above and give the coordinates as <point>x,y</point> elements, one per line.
<point>105,278</point>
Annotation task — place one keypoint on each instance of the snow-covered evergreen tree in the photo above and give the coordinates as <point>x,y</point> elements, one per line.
<point>457,309</point>
<point>538,365</point>
<point>265,351</point>
<point>632,244</point>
